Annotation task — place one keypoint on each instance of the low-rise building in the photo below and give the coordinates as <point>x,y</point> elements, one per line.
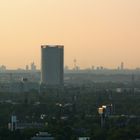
<point>43,136</point>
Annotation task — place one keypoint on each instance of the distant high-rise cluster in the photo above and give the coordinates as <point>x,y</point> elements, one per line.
<point>2,68</point>
<point>52,64</point>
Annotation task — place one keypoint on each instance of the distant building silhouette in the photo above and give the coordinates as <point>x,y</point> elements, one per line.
<point>33,66</point>
<point>2,68</point>
<point>122,66</point>
<point>27,67</point>
<point>52,65</point>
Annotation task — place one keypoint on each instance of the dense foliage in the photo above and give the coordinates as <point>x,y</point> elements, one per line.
<point>72,112</point>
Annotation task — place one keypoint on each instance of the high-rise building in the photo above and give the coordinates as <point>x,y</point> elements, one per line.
<point>122,66</point>
<point>52,65</point>
<point>33,66</point>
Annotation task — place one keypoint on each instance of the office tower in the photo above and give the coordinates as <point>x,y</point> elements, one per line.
<point>122,66</point>
<point>52,65</point>
<point>33,66</point>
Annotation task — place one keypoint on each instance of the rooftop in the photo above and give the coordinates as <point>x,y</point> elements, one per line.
<point>52,46</point>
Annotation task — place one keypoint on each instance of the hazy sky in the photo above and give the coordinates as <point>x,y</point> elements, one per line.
<point>95,32</point>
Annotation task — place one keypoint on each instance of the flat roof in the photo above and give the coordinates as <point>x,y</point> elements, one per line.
<point>52,46</point>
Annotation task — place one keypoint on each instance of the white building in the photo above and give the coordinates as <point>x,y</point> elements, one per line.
<point>52,65</point>
<point>42,136</point>
<point>84,138</point>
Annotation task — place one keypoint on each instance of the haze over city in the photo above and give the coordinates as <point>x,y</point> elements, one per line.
<point>95,32</point>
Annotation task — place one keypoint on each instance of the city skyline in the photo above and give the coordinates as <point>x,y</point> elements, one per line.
<point>94,32</point>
